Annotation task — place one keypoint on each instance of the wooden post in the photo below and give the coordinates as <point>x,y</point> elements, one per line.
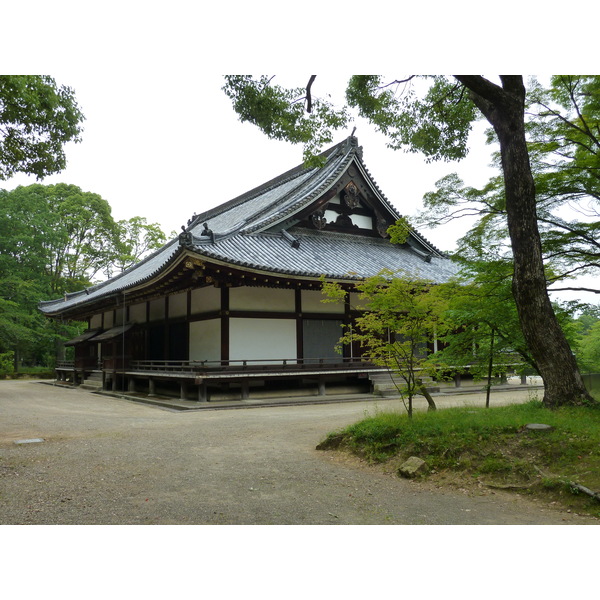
<point>245,389</point>
<point>321,386</point>
<point>151,388</point>
<point>202,392</point>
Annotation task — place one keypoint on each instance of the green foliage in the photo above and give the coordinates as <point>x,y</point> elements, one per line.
<point>6,363</point>
<point>53,240</point>
<point>564,148</point>
<point>280,112</point>
<point>588,341</point>
<point>401,317</point>
<point>37,118</point>
<point>399,232</point>
<point>484,324</point>
<point>436,123</point>
<point>136,238</point>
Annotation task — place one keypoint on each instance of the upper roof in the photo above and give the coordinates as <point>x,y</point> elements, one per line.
<point>284,227</point>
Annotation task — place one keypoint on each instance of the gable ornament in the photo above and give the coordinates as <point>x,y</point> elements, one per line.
<point>382,226</point>
<point>351,195</point>
<point>318,219</point>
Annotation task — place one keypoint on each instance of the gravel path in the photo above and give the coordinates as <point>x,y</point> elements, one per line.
<point>111,461</point>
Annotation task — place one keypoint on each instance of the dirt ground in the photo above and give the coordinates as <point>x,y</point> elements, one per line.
<point>111,461</point>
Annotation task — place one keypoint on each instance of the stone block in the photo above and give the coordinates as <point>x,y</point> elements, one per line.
<point>413,467</point>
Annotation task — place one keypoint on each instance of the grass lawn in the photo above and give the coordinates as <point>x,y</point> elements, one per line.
<point>490,447</point>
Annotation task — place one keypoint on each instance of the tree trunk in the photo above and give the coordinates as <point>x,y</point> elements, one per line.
<point>490,370</point>
<point>430,402</point>
<point>504,108</point>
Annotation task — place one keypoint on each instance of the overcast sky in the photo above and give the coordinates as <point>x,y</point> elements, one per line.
<point>166,151</point>
<point>160,138</point>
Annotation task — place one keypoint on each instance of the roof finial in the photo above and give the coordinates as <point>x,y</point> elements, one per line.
<point>352,134</point>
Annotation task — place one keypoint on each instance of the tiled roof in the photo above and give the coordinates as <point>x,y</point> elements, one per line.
<point>335,255</point>
<point>247,233</point>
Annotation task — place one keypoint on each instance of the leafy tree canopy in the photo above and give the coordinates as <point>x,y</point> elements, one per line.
<point>37,119</point>
<point>401,316</point>
<point>564,148</point>
<point>56,239</point>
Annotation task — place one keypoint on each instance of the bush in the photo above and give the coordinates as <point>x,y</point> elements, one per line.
<point>6,363</point>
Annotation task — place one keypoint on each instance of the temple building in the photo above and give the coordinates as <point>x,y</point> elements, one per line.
<point>233,306</point>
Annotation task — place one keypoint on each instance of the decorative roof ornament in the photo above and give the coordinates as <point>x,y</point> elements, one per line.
<point>294,242</point>
<point>206,232</point>
<point>351,195</point>
<point>186,239</point>
<point>318,219</point>
<point>382,226</point>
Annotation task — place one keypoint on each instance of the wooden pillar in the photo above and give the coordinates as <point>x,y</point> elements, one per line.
<point>457,380</point>
<point>321,386</point>
<point>151,387</point>
<point>114,382</point>
<point>224,325</point>
<point>183,386</point>
<point>202,392</point>
<point>299,325</point>
<point>131,386</point>
<point>245,389</point>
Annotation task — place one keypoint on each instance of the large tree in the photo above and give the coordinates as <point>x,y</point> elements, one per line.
<point>57,239</point>
<point>437,124</point>
<point>37,118</point>
<point>564,149</point>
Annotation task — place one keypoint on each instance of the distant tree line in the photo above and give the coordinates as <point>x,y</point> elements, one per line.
<point>57,239</point>
<point>53,239</point>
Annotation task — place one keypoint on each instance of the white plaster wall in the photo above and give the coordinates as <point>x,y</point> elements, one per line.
<point>137,313</point>
<point>362,221</point>
<point>206,299</point>
<point>108,319</point>
<point>178,305</point>
<point>205,340</point>
<point>261,299</point>
<point>331,216</point>
<point>262,339</point>
<point>119,316</point>
<point>157,309</point>
<point>311,302</point>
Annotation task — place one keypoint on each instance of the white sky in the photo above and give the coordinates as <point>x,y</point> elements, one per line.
<point>165,152</point>
<point>161,139</point>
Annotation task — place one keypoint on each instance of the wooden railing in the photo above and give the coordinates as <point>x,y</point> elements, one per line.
<point>204,366</point>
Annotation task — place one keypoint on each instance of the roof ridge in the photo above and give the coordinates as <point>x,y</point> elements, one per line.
<point>289,175</point>
<point>326,181</point>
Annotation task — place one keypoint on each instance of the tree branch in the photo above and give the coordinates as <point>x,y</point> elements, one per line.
<point>482,87</point>
<point>308,94</point>
<point>574,289</point>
